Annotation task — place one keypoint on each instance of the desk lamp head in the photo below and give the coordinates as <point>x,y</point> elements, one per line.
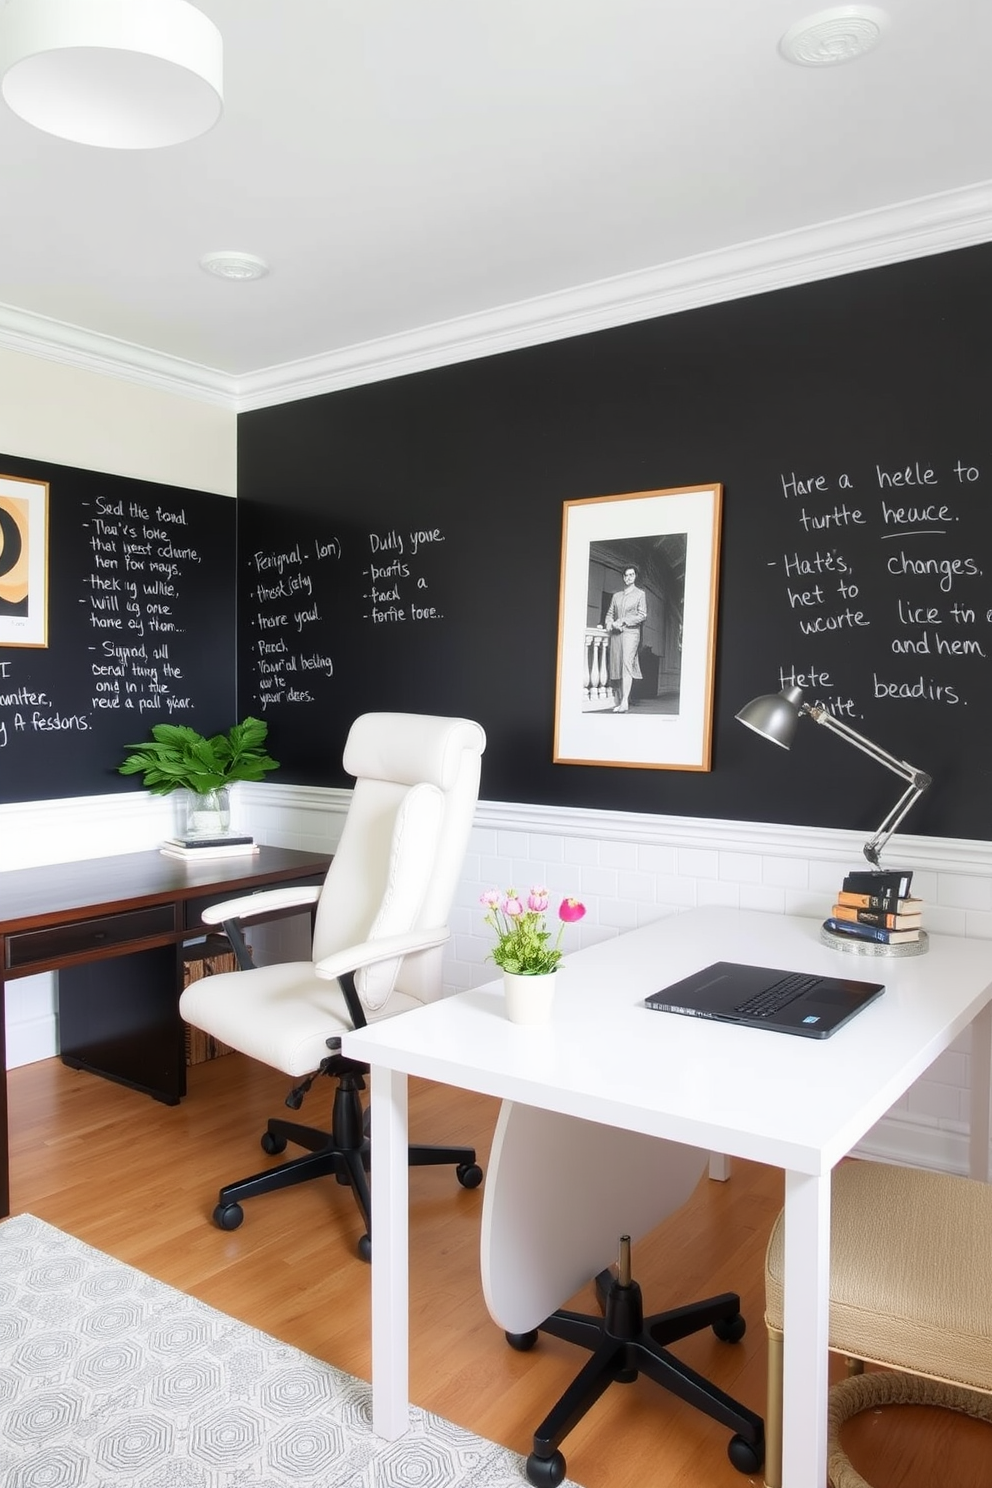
<point>776,717</point>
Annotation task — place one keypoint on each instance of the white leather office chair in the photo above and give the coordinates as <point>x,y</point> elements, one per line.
<point>380,925</point>
<point>559,1194</point>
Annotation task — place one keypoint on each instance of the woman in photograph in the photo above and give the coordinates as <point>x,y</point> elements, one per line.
<point>627,613</point>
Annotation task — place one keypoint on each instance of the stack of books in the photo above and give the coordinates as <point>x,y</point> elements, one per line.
<point>190,848</point>
<point>877,905</point>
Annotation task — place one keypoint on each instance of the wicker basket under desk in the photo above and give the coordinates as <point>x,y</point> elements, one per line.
<point>206,957</point>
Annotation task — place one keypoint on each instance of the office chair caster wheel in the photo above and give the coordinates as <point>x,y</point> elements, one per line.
<point>746,1456</point>
<point>469,1175</point>
<point>272,1145</point>
<point>522,1341</point>
<point>365,1248</point>
<point>730,1330</point>
<point>228,1216</point>
<point>546,1472</point>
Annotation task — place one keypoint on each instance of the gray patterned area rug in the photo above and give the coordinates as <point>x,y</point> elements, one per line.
<point>110,1378</point>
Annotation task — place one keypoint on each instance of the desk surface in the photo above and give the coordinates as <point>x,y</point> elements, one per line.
<point>123,919</point>
<point>34,897</point>
<point>799,1104</point>
<point>793,1102</point>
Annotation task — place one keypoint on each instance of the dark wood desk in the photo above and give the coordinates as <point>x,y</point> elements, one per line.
<point>113,928</point>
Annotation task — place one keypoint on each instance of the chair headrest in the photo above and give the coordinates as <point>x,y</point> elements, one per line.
<point>411,747</point>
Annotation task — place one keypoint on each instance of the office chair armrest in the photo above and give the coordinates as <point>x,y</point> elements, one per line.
<point>265,902</point>
<point>352,958</point>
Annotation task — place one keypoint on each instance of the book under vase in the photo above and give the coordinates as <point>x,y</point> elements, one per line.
<point>227,845</point>
<point>203,827</point>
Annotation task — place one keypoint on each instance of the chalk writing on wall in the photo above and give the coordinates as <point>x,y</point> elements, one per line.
<point>885,559</point>
<point>143,558</point>
<point>299,592</point>
<point>395,584</point>
<point>140,631</point>
<point>289,593</point>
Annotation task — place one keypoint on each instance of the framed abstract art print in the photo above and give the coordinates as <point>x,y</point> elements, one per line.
<point>23,562</point>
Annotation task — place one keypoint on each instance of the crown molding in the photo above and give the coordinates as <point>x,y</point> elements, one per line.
<point>916,229</point>
<point>72,346</point>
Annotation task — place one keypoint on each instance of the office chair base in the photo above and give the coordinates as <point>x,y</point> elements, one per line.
<point>623,1344</point>
<point>344,1153</point>
<point>546,1472</point>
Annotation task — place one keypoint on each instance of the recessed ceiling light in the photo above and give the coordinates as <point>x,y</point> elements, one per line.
<point>234,265</point>
<point>833,36</point>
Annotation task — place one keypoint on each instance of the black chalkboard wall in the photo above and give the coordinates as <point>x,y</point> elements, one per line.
<point>141,607</point>
<point>399,544</point>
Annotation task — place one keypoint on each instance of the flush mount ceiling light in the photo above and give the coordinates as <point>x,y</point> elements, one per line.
<point>123,74</point>
<point>234,265</point>
<point>834,36</point>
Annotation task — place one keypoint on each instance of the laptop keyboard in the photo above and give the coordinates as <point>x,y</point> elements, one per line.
<point>763,1004</point>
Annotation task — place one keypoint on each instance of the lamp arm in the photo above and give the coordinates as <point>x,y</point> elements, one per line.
<point>874,845</point>
<point>899,767</point>
<point>919,780</point>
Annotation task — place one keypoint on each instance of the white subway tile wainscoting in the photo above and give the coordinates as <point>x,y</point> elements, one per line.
<point>627,868</point>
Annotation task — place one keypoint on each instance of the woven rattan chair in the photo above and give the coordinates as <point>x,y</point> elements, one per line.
<point>910,1289</point>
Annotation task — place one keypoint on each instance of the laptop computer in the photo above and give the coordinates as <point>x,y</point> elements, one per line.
<point>761,997</point>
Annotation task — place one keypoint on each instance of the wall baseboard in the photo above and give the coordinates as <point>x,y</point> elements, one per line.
<point>910,1144</point>
<point>31,1039</point>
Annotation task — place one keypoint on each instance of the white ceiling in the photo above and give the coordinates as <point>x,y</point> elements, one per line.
<point>431,179</point>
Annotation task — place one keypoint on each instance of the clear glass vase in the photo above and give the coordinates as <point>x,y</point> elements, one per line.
<point>205,815</point>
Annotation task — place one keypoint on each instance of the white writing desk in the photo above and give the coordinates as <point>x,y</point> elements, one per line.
<point>797,1104</point>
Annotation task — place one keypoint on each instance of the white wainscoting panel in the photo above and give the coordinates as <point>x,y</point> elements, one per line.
<point>627,868</point>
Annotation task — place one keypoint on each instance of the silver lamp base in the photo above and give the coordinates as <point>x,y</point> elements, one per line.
<point>839,942</point>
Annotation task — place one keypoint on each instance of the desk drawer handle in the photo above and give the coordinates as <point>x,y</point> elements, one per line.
<point>82,937</point>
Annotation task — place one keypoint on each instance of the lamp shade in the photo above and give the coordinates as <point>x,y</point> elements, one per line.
<point>123,74</point>
<point>774,715</point>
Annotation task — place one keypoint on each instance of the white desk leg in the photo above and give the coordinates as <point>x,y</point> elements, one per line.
<point>980,1069</point>
<point>390,1256</point>
<point>807,1300</point>
<point>719,1167</point>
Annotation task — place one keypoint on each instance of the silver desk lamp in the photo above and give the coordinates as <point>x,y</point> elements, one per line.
<point>776,716</point>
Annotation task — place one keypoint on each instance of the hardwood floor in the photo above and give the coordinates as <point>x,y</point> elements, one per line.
<point>139,1180</point>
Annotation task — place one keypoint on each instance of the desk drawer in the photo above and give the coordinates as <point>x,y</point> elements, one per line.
<point>89,935</point>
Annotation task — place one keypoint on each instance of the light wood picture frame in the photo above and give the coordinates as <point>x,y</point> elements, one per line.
<point>636,660</point>
<point>23,561</point>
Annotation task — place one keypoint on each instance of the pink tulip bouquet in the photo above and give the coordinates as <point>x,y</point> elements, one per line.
<point>522,935</point>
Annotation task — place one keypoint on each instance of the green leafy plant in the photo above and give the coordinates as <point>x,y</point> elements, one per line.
<point>179,757</point>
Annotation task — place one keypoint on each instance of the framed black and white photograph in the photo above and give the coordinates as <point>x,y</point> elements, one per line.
<point>637,629</point>
<point>23,562</point>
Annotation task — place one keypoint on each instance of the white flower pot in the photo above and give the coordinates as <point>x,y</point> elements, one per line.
<point>529,999</point>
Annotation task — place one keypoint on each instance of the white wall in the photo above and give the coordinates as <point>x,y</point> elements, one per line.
<point>71,416</point>
<point>629,869</point>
